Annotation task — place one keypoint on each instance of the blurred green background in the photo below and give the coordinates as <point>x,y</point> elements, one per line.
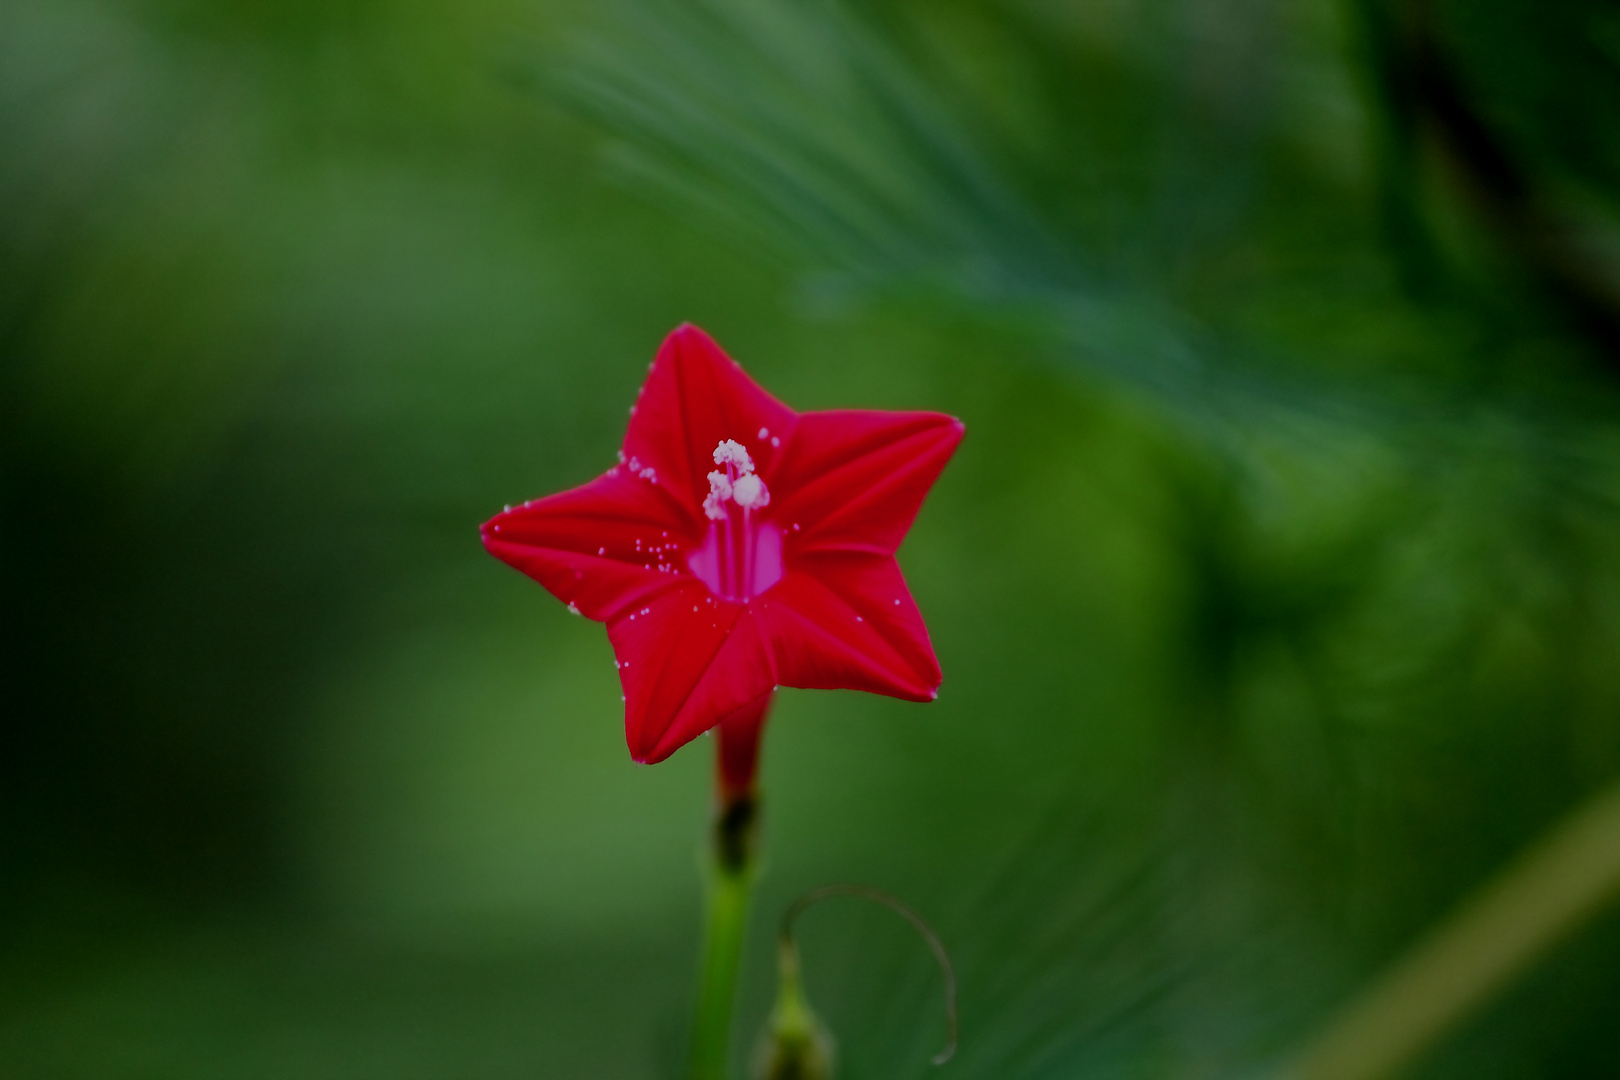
<point>1276,586</point>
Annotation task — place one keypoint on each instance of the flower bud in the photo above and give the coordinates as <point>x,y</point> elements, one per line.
<point>795,1046</point>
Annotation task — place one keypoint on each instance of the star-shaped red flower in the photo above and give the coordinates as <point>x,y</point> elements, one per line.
<point>739,546</point>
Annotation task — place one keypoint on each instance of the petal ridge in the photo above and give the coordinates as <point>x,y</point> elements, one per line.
<point>821,643</point>
<point>685,661</point>
<point>861,475</point>
<point>601,546</point>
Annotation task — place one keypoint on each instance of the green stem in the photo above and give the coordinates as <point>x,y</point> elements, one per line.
<point>717,987</point>
<point>731,879</point>
<point>1545,894</point>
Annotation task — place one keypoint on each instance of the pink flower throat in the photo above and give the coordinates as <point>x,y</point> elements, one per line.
<point>741,555</point>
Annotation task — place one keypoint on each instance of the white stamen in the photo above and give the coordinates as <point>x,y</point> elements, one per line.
<point>732,452</point>
<point>714,507</point>
<point>750,493</point>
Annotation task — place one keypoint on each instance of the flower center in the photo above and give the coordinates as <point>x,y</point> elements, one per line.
<point>741,556</point>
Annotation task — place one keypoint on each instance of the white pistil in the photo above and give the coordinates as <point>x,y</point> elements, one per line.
<point>750,492</point>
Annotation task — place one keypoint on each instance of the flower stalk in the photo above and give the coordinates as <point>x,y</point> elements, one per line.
<point>731,872</point>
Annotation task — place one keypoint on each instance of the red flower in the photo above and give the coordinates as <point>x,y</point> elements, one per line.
<point>739,546</point>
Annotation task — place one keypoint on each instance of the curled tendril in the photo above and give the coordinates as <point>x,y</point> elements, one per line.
<point>878,896</point>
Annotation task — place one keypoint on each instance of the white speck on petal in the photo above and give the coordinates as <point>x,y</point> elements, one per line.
<point>764,433</point>
<point>573,608</point>
<point>776,440</point>
<point>603,551</point>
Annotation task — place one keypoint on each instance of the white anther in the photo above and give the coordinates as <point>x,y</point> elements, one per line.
<point>719,491</point>
<point>731,452</point>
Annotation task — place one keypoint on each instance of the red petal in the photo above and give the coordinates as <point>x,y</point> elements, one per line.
<point>833,624</point>
<point>599,546</point>
<point>687,661</point>
<point>695,397</point>
<point>855,478</point>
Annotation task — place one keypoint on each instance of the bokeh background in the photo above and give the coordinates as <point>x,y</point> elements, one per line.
<point>1275,584</point>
